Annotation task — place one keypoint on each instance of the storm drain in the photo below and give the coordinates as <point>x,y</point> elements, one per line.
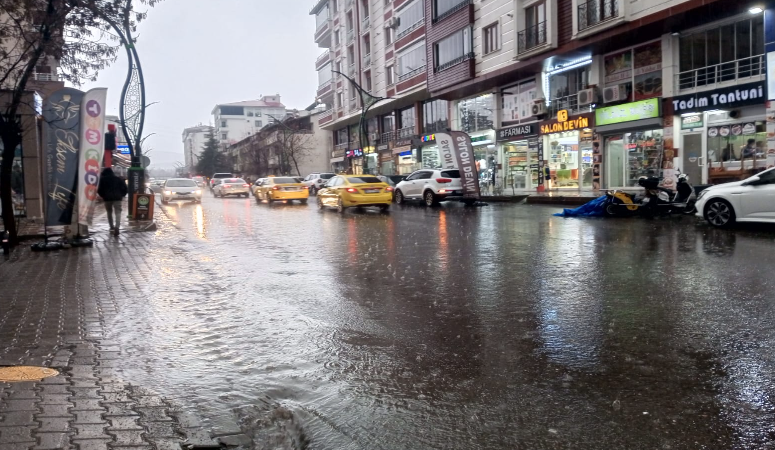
<point>25,373</point>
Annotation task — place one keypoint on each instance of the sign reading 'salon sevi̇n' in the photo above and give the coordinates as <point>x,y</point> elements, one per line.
<point>723,98</point>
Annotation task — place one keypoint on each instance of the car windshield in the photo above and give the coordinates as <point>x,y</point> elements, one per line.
<point>326,176</point>
<point>181,183</point>
<point>222,175</point>
<point>356,180</point>
<point>234,180</point>
<point>284,180</point>
<point>451,174</point>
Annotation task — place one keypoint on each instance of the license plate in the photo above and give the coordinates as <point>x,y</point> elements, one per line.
<point>184,193</point>
<point>291,189</point>
<point>371,191</point>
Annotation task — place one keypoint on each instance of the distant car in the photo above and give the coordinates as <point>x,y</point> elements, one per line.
<point>156,186</point>
<point>751,200</point>
<point>347,191</point>
<point>217,176</point>
<point>200,181</point>
<point>281,188</point>
<point>256,185</point>
<point>180,189</point>
<point>316,180</point>
<point>231,186</point>
<point>431,186</point>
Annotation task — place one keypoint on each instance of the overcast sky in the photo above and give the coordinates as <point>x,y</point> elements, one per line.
<point>197,53</point>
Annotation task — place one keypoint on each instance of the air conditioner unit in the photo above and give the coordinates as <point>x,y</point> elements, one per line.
<point>614,94</point>
<point>587,97</point>
<point>392,22</point>
<point>539,108</point>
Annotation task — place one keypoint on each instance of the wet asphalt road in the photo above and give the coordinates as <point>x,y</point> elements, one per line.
<point>500,327</point>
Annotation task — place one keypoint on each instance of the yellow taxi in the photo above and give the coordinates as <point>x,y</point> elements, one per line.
<point>274,189</point>
<point>347,191</point>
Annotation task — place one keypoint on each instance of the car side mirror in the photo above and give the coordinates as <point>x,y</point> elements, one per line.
<point>753,181</point>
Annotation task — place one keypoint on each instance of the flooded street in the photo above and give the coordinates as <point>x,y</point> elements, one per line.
<point>500,327</point>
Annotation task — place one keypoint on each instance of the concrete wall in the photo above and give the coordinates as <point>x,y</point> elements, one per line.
<point>501,12</point>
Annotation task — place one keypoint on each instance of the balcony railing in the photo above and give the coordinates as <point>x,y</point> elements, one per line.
<point>388,136</point>
<point>452,10</point>
<point>531,37</point>
<point>407,132</point>
<point>45,77</point>
<point>455,61</point>
<point>365,24</point>
<point>326,54</point>
<point>367,60</point>
<point>732,71</point>
<point>341,147</point>
<point>594,12</point>
<point>411,28</point>
<point>411,74</point>
<point>350,35</point>
<point>570,103</point>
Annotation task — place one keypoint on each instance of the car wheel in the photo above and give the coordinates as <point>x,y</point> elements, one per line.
<point>719,213</point>
<point>399,197</point>
<point>340,205</point>
<point>384,208</point>
<point>430,198</point>
<point>303,201</point>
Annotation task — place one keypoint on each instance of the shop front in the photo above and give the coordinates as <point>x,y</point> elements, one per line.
<point>338,163</point>
<point>633,144</point>
<point>429,152</point>
<point>408,158</point>
<point>723,133</point>
<point>355,157</point>
<point>518,146</point>
<point>370,160</point>
<point>568,149</point>
<point>387,164</point>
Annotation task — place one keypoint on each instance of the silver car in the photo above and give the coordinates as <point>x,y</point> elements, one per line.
<point>232,186</point>
<point>181,189</point>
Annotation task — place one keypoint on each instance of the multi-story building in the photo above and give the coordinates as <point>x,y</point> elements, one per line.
<point>236,121</point>
<point>194,139</point>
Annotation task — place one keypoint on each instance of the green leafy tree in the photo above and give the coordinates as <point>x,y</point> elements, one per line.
<point>212,159</point>
<point>76,36</point>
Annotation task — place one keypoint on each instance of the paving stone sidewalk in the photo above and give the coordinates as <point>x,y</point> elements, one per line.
<point>55,309</point>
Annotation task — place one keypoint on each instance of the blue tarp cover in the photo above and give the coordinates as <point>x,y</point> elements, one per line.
<point>589,209</point>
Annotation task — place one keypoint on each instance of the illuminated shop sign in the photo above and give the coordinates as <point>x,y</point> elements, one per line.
<point>644,109</point>
<point>564,123</point>
<point>354,153</point>
<point>429,138</point>
<point>730,97</point>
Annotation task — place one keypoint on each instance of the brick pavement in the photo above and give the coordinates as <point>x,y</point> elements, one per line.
<point>55,309</point>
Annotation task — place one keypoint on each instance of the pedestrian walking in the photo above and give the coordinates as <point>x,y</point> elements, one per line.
<point>112,189</point>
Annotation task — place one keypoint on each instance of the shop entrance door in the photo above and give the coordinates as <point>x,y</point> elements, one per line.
<point>693,160</point>
<point>617,161</point>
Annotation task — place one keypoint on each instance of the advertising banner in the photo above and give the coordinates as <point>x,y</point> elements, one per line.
<point>457,152</point>
<point>644,109</point>
<point>62,139</point>
<point>92,150</point>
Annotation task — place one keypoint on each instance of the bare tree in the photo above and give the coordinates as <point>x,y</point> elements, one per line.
<point>75,35</point>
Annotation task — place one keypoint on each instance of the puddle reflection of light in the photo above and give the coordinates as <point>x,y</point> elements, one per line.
<point>352,240</point>
<point>199,219</point>
<point>443,241</point>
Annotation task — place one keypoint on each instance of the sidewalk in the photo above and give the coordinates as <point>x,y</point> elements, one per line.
<point>56,310</point>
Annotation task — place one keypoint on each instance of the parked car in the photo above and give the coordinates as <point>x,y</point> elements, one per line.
<point>180,189</point>
<point>156,186</point>
<point>431,186</point>
<point>231,186</point>
<point>218,176</point>
<point>315,181</point>
<point>281,188</point>
<point>347,191</point>
<point>751,200</point>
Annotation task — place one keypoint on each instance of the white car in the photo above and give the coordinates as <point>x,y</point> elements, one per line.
<point>431,186</point>
<point>180,189</point>
<point>315,181</point>
<point>231,186</point>
<point>751,200</point>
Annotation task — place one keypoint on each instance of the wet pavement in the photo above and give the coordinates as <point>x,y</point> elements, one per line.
<point>455,328</point>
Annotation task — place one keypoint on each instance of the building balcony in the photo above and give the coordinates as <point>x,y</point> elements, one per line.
<point>531,38</point>
<point>367,61</point>
<point>569,103</point>
<point>323,34</point>
<point>46,77</point>
<point>325,89</point>
<point>411,74</point>
<point>733,72</point>
<point>365,23</point>
<point>350,36</point>
<point>594,12</point>
<point>413,27</point>
<point>452,10</point>
<point>326,117</point>
<point>455,62</point>
<point>322,60</point>
<point>405,133</point>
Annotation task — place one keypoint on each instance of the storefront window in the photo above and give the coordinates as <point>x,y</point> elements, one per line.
<point>407,162</point>
<point>341,136</point>
<point>430,157</point>
<point>490,178</point>
<point>435,116</point>
<point>562,154</point>
<point>633,155</point>
<point>476,114</point>
<point>407,118</point>
<point>520,165</point>
<point>729,143</point>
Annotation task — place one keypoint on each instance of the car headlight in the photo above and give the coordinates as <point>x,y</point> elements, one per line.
<point>702,194</point>
<point>167,192</point>
<point>198,191</point>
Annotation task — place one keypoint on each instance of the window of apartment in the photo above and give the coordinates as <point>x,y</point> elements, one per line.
<point>389,122</point>
<point>388,36</point>
<point>224,136</point>
<point>435,116</point>
<point>406,119</point>
<point>491,38</point>
<point>259,123</point>
<point>535,15</point>
<point>324,74</point>
<point>365,8</point>
<point>564,87</point>
<point>390,75</point>
<point>367,81</point>
<point>335,6</point>
<point>410,18</point>
<point>411,62</point>
<point>338,37</point>
<point>223,124</point>
<point>351,55</point>
<point>321,18</point>
<point>258,113</point>
<point>453,48</point>
<point>341,136</point>
<point>366,45</point>
<point>726,53</point>
<point>340,99</point>
<point>441,7</point>
<point>476,114</point>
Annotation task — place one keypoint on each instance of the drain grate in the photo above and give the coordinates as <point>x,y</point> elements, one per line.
<point>25,373</point>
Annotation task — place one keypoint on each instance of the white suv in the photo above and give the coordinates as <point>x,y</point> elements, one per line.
<point>431,186</point>
<point>315,181</point>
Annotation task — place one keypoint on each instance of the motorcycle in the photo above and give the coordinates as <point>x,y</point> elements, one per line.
<point>655,201</point>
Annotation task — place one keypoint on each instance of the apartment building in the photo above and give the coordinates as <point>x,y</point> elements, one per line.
<point>194,139</point>
<point>236,121</point>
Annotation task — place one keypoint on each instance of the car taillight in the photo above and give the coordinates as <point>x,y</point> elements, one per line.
<point>245,185</point>
<point>444,180</point>
<point>388,189</point>
<point>352,190</point>
<point>226,186</point>
<point>305,187</point>
<point>275,188</point>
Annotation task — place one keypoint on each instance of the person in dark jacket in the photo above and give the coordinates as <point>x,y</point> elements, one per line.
<point>112,189</point>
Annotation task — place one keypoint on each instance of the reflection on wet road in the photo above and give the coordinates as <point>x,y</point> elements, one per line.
<point>470,328</point>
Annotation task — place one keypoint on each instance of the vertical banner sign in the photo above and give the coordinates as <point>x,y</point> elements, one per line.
<point>464,155</point>
<point>92,149</point>
<point>446,151</point>
<point>62,117</point>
